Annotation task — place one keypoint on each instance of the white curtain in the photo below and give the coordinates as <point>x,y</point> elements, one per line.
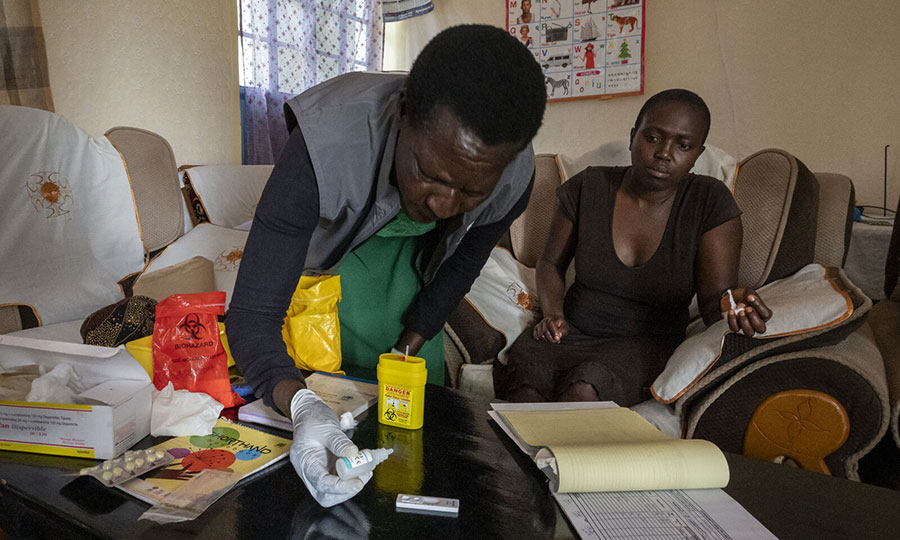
<point>287,46</point>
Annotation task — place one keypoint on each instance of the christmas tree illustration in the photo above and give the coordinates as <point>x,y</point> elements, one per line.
<point>623,50</point>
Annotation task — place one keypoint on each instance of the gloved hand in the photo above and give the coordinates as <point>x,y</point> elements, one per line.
<point>316,432</point>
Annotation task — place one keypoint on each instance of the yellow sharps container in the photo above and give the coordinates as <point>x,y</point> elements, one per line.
<point>401,390</point>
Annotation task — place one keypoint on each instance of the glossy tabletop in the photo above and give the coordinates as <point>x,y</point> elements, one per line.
<point>459,453</point>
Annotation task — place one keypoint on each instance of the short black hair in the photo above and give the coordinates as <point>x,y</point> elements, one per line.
<point>485,76</point>
<point>682,96</point>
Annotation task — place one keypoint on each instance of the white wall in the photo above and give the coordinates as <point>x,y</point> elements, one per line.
<point>817,78</point>
<point>169,66</point>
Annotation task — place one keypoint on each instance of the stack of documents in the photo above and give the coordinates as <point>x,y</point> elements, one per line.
<point>616,476</point>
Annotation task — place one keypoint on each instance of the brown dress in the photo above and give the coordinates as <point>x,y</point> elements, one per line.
<point>624,321</point>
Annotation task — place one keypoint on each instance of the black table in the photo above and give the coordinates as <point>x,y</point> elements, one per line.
<point>459,453</point>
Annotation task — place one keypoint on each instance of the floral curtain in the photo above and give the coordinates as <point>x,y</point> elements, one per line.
<point>23,57</point>
<point>287,46</point>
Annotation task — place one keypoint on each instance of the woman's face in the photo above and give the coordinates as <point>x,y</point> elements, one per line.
<point>525,31</point>
<point>666,144</point>
<point>526,6</point>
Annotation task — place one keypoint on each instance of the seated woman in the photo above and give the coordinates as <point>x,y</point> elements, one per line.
<point>645,240</point>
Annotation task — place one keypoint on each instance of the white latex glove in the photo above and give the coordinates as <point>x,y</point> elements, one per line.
<point>316,432</point>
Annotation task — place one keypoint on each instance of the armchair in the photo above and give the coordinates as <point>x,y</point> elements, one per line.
<point>760,396</point>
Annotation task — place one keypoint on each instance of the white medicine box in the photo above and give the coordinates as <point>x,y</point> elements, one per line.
<point>109,417</point>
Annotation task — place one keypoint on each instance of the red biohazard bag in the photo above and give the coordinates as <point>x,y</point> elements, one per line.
<point>187,349</point>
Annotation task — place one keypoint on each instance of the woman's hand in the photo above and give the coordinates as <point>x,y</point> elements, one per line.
<point>749,314</point>
<point>551,328</point>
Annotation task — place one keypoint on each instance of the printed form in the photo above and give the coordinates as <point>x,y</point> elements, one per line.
<point>709,514</point>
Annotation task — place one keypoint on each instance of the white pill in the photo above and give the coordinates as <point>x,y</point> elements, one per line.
<point>107,475</point>
<point>139,462</point>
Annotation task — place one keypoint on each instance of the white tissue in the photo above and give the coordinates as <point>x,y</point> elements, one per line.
<point>180,412</point>
<point>58,386</point>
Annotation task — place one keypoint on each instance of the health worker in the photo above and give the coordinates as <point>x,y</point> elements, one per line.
<point>401,184</point>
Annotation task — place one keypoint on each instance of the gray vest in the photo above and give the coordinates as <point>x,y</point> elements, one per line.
<point>349,124</point>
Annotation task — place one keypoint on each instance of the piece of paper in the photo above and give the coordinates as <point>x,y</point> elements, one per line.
<point>698,513</point>
<point>342,394</point>
<point>613,449</point>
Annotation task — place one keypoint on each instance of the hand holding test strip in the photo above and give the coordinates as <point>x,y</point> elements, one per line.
<point>744,311</point>
<point>734,306</point>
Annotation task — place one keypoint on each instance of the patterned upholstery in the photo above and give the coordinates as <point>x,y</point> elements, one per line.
<point>529,232</point>
<point>779,197</point>
<point>836,197</point>
<point>154,182</point>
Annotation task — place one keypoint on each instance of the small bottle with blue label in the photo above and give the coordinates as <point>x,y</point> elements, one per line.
<point>363,462</point>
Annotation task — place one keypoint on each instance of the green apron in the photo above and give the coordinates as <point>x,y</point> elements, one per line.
<point>378,283</point>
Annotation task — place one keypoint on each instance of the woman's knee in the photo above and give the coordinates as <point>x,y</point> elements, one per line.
<point>579,391</point>
<point>526,394</point>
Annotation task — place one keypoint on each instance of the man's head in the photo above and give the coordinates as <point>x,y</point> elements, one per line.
<point>475,97</point>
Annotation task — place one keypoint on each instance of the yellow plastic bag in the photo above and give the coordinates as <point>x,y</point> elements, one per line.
<point>311,330</point>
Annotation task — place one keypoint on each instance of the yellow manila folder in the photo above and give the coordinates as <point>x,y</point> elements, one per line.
<point>614,449</point>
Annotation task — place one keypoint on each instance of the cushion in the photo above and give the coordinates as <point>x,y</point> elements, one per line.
<point>713,161</point>
<point>226,194</point>
<point>779,198</point>
<point>154,183</point>
<point>69,229</point>
<point>529,231</point>
<point>221,245</point>
<point>194,275</point>
<point>806,301</point>
<point>503,295</point>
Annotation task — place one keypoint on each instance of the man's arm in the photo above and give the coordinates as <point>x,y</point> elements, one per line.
<point>273,261</point>
<point>434,303</point>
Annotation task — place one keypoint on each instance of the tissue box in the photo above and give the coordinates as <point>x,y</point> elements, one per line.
<point>118,393</point>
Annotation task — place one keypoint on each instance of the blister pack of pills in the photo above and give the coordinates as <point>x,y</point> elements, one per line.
<point>129,465</point>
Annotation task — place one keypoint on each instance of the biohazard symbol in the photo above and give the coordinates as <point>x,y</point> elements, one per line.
<point>48,192</point>
<point>193,326</point>
<point>229,259</point>
<point>390,414</point>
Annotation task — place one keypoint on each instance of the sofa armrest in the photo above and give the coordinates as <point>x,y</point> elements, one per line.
<point>477,342</point>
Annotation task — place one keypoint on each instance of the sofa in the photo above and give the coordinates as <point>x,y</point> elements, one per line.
<point>817,398</point>
<point>116,208</point>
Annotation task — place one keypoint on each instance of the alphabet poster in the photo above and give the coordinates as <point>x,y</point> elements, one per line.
<point>586,48</point>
